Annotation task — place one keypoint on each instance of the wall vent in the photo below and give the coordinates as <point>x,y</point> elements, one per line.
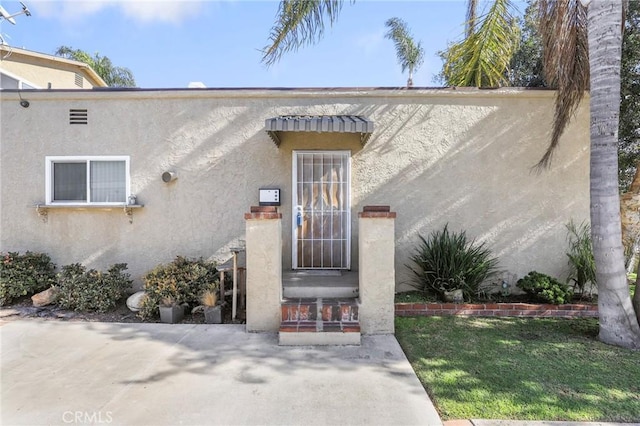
<point>79,80</point>
<point>78,116</point>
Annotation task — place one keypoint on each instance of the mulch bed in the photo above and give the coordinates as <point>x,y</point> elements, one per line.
<point>24,309</point>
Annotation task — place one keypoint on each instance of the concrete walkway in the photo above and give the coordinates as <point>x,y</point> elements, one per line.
<point>155,374</point>
<point>476,422</point>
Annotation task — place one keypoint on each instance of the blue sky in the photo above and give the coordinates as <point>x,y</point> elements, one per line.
<point>171,43</point>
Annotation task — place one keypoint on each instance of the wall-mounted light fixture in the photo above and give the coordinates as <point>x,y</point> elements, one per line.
<point>169,177</point>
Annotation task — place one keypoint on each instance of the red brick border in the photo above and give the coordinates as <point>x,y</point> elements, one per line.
<point>496,310</point>
<point>263,212</point>
<point>377,212</point>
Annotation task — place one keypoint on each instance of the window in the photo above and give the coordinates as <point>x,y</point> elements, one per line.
<point>11,81</point>
<point>87,180</point>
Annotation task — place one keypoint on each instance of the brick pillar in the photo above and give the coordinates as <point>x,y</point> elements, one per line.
<point>377,269</point>
<point>264,268</point>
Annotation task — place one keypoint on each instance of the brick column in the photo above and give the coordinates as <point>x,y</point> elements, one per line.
<point>377,269</point>
<point>264,268</point>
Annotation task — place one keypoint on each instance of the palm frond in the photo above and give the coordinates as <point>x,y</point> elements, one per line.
<point>299,23</point>
<point>112,75</point>
<point>410,54</point>
<point>482,58</point>
<point>563,27</point>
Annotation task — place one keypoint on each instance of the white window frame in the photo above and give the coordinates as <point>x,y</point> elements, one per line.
<point>50,160</point>
<point>21,81</point>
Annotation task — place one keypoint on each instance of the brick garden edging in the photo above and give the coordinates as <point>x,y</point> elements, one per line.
<point>496,310</point>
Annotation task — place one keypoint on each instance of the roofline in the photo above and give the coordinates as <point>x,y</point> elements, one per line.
<point>283,92</point>
<point>357,94</point>
<point>308,89</point>
<point>97,80</point>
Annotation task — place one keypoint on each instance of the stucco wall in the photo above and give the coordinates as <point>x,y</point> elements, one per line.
<point>462,157</point>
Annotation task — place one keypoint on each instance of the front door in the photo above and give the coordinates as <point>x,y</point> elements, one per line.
<point>321,210</point>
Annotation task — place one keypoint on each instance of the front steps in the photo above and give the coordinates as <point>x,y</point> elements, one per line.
<point>322,283</point>
<point>319,321</point>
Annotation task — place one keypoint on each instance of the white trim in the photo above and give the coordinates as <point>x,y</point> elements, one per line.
<point>21,80</point>
<point>49,160</point>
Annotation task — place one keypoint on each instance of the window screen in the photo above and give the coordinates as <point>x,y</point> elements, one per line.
<point>87,179</point>
<point>108,182</point>
<point>69,182</point>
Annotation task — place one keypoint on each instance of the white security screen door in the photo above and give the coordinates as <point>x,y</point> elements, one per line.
<point>321,210</point>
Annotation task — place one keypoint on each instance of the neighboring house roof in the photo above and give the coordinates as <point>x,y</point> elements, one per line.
<point>22,68</point>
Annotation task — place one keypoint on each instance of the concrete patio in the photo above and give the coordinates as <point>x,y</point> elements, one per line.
<point>155,374</point>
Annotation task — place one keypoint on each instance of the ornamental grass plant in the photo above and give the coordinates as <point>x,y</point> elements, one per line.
<point>447,261</point>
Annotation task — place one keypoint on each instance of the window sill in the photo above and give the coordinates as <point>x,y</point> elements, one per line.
<point>43,209</point>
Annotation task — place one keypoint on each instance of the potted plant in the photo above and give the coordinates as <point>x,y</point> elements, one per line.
<point>210,306</point>
<point>171,312</point>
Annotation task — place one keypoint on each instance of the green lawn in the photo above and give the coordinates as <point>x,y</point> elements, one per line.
<point>515,368</point>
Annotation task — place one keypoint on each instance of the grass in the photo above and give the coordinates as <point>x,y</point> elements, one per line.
<point>527,369</point>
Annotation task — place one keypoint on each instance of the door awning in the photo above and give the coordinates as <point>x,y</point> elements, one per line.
<point>320,124</point>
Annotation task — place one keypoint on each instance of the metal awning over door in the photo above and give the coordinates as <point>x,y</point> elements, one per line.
<point>320,124</point>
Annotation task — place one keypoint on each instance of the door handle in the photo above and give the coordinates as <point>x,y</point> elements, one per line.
<point>298,216</point>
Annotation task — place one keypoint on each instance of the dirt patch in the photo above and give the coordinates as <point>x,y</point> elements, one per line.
<point>24,309</point>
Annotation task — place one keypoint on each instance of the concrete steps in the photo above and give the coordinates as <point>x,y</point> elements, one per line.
<point>319,321</point>
<point>326,284</point>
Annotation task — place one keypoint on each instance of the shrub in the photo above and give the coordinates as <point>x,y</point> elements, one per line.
<point>545,288</point>
<point>24,274</point>
<point>449,261</point>
<point>183,280</point>
<point>581,262</point>
<point>91,290</point>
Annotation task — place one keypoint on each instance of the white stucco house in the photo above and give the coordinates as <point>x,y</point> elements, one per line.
<point>140,176</point>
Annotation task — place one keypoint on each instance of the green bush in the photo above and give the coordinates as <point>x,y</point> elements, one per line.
<point>581,262</point>
<point>24,274</point>
<point>545,288</point>
<point>86,291</point>
<point>449,261</point>
<point>182,281</point>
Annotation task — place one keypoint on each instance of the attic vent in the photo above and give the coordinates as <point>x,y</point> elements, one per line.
<point>78,116</point>
<point>79,80</point>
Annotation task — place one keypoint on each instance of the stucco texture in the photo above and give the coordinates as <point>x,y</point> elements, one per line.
<point>377,275</point>
<point>437,156</point>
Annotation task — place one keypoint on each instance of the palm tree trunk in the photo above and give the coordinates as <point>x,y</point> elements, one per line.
<point>618,322</point>
<point>636,297</point>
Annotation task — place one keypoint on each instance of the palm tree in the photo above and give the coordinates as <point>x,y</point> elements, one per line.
<point>482,57</point>
<point>299,23</point>
<point>112,75</point>
<point>410,54</point>
<point>563,22</point>
<point>563,28</point>
<point>619,324</point>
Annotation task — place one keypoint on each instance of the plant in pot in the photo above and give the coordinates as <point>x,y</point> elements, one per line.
<point>210,306</point>
<point>171,312</point>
